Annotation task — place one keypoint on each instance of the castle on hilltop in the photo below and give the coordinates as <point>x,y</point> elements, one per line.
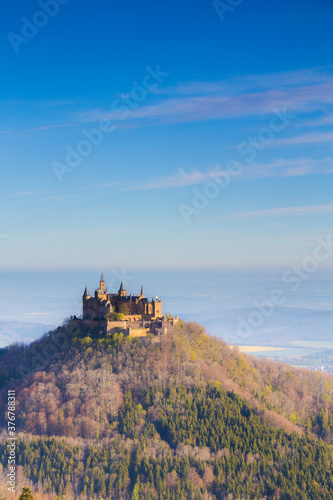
<point>134,315</point>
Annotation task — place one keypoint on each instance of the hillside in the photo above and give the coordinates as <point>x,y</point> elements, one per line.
<point>181,416</point>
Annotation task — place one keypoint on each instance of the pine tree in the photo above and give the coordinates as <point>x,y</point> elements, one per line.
<point>26,494</point>
<point>136,490</point>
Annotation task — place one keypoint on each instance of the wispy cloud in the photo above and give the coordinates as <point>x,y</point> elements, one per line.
<point>44,195</point>
<point>284,212</point>
<point>61,197</point>
<point>282,167</point>
<point>251,82</point>
<point>254,95</point>
<point>307,91</point>
<point>31,193</point>
<point>41,103</point>
<point>319,122</point>
<point>177,180</point>
<point>315,137</point>
<point>102,186</point>
<point>278,168</point>
<point>55,125</point>
<point>96,232</point>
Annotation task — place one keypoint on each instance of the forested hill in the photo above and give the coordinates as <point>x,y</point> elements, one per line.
<point>184,417</point>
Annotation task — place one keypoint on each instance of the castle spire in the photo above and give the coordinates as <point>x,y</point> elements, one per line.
<point>86,294</point>
<point>102,283</point>
<point>122,292</point>
<point>141,293</point>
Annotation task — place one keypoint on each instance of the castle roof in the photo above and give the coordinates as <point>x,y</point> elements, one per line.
<point>122,288</point>
<point>86,293</point>
<point>102,278</point>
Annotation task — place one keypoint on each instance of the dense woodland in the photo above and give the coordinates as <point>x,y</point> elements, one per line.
<point>180,417</point>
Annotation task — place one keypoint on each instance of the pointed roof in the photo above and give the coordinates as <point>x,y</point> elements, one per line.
<point>141,293</point>
<point>102,278</point>
<point>86,293</point>
<point>122,288</point>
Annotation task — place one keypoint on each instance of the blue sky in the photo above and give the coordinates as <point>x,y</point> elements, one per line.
<point>165,134</point>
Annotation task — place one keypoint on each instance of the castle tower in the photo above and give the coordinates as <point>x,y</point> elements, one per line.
<point>157,305</point>
<point>86,294</point>
<point>141,293</point>
<point>101,292</point>
<point>122,292</point>
<point>102,283</point>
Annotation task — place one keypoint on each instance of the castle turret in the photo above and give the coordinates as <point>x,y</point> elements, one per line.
<point>141,293</point>
<point>122,292</point>
<point>86,294</point>
<point>86,303</point>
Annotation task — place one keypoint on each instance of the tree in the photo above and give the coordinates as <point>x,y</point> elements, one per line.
<point>136,490</point>
<point>26,494</point>
<point>124,308</point>
<point>86,341</point>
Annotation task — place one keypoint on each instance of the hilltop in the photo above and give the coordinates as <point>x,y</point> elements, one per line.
<point>173,416</point>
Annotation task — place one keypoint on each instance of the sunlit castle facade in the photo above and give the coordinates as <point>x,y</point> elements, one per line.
<point>132,314</point>
<point>131,307</point>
